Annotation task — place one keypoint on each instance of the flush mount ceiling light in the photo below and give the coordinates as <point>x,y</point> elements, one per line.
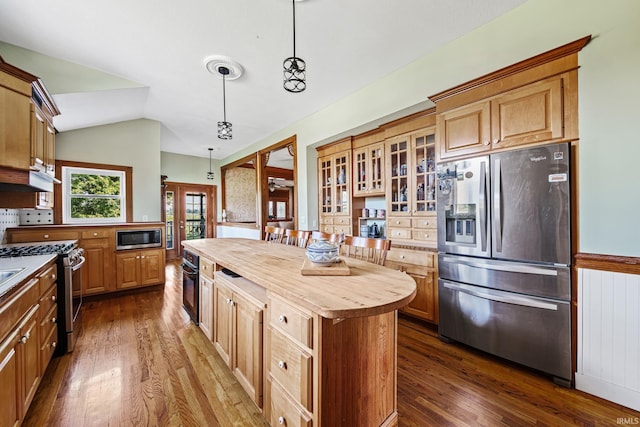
<point>295,69</point>
<point>210,174</point>
<point>228,69</point>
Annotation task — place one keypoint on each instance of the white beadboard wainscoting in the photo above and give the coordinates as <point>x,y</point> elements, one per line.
<point>609,336</point>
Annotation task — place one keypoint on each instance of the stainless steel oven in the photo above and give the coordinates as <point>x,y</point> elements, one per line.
<point>190,278</point>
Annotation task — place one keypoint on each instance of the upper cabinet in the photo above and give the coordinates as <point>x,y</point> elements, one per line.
<point>369,164</point>
<point>337,209</point>
<point>533,101</point>
<point>530,114</point>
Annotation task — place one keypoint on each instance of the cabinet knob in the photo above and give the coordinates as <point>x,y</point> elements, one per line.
<point>282,318</point>
<point>25,338</point>
<point>95,234</point>
<point>401,256</point>
<point>282,421</point>
<point>46,236</point>
<point>282,364</point>
<point>142,257</point>
<point>53,277</point>
<point>486,143</point>
<point>496,141</point>
<point>54,298</point>
<point>137,256</point>
<point>53,320</point>
<point>54,344</point>
<point>426,235</point>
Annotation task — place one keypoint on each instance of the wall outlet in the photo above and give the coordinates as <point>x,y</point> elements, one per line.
<point>313,223</point>
<point>145,217</point>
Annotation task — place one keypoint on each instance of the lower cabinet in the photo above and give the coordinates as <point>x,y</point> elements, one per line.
<point>206,306</point>
<point>422,266</point>
<point>238,330</point>
<point>97,273</point>
<point>139,268</point>
<point>28,357</point>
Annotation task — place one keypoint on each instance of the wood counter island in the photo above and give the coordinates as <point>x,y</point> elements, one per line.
<point>324,347</point>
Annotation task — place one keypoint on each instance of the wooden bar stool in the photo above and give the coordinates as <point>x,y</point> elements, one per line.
<point>366,249</point>
<point>296,238</point>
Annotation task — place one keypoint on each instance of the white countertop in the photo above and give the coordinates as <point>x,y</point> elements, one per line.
<point>28,264</point>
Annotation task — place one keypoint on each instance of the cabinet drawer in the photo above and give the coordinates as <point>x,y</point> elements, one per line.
<point>398,233</point>
<point>292,367</point>
<point>425,235</point>
<point>48,347</point>
<point>327,229</point>
<point>342,229</point>
<point>48,278</point>
<point>206,267</point>
<point>48,298</point>
<point>399,222</point>
<point>38,236</point>
<point>326,220</point>
<point>284,411</point>
<point>94,234</point>
<point>341,220</point>
<point>291,321</point>
<point>429,223</point>
<point>407,256</point>
<point>48,322</point>
<point>416,270</point>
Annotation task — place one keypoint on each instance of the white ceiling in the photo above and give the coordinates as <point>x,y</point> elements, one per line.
<point>149,55</point>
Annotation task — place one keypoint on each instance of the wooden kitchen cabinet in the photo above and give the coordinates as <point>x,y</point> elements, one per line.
<point>337,208</point>
<point>98,273</point>
<point>28,358</point>
<point>238,330</point>
<point>139,268</point>
<point>525,115</point>
<point>411,186</point>
<point>9,378</point>
<point>369,165</point>
<point>48,315</point>
<point>422,266</point>
<point>206,306</point>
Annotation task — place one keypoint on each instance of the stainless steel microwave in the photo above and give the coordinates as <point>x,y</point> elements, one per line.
<point>136,239</point>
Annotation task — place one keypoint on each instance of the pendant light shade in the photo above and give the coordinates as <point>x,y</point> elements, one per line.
<point>224,127</point>
<point>210,174</point>
<point>295,69</point>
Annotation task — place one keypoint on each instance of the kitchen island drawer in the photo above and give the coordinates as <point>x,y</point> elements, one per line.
<point>206,267</point>
<point>291,321</point>
<point>284,411</point>
<point>292,367</point>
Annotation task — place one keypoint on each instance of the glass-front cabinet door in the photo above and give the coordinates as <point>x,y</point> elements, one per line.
<point>398,156</point>
<point>369,167</point>
<point>326,188</point>
<point>423,182</point>
<point>342,173</point>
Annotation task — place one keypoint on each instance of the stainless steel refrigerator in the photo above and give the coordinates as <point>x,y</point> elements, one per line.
<point>504,253</point>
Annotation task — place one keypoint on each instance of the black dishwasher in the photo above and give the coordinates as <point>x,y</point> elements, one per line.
<point>190,292</point>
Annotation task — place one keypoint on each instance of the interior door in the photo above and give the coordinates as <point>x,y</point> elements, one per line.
<point>189,213</point>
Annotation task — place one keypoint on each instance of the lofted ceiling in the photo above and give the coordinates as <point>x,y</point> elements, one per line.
<point>106,62</point>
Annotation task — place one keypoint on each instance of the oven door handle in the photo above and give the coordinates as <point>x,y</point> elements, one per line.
<point>505,297</point>
<point>77,266</point>
<point>188,269</point>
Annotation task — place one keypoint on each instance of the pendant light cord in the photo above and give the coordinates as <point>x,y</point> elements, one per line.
<point>224,98</point>
<point>294,28</point>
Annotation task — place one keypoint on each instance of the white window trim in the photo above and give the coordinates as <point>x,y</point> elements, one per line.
<point>66,195</point>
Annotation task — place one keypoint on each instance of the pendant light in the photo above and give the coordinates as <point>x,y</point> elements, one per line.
<point>210,174</point>
<point>295,68</point>
<point>228,69</point>
<point>224,127</point>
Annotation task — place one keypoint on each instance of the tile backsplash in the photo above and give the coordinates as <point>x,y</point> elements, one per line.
<point>8,218</point>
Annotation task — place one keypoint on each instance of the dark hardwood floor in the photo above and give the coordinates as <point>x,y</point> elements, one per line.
<point>140,362</point>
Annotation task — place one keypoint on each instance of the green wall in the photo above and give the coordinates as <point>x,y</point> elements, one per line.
<point>135,143</point>
<point>609,89</point>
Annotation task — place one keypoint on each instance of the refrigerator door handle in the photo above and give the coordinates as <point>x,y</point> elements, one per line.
<point>512,268</point>
<point>497,206</point>
<point>504,297</point>
<point>483,206</point>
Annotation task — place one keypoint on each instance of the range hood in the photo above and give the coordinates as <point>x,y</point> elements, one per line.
<point>14,180</point>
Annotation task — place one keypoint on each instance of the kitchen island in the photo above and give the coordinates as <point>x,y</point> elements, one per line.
<point>326,345</point>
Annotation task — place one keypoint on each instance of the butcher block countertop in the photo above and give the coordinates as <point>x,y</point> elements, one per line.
<point>369,290</point>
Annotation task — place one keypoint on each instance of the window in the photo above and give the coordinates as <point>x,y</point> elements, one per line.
<point>91,195</point>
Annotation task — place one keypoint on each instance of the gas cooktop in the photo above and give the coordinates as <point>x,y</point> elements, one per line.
<point>36,249</point>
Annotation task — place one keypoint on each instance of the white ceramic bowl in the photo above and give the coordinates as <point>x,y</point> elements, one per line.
<point>323,252</point>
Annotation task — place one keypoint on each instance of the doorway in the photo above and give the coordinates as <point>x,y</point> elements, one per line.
<point>189,212</point>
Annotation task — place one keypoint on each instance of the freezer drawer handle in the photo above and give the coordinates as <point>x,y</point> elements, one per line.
<point>519,268</point>
<point>499,296</point>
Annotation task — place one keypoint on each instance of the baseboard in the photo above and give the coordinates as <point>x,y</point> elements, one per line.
<point>609,391</point>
